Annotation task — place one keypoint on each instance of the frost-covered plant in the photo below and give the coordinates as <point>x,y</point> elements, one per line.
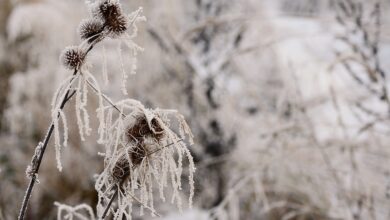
<point>105,16</point>
<point>141,153</point>
<point>137,152</point>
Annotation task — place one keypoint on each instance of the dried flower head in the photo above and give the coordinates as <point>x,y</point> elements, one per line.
<point>121,169</point>
<point>72,57</point>
<point>90,29</point>
<point>138,153</point>
<point>139,128</point>
<point>110,12</point>
<point>107,9</point>
<point>118,25</point>
<point>123,166</point>
<point>144,155</point>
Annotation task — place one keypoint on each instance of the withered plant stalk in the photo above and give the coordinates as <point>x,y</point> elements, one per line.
<point>37,164</point>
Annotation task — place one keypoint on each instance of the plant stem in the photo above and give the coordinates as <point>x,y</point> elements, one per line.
<point>67,97</point>
<point>33,179</point>
<point>105,98</point>
<point>109,204</point>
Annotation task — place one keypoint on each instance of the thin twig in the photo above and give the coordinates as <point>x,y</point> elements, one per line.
<point>151,209</point>
<point>163,147</point>
<point>33,179</point>
<point>105,97</point>
<point>109,203</point>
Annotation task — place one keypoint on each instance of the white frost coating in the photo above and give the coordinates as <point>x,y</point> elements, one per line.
<point>57,144</point>
<point>134,17</point>
<point>92,82</point>
<point>154,158</point>
<point>82,212</point>
<point>124,74</point>
<point>82,83</point>
<point>63,119</point>
<point>31,169</point>
<point>84,102</point>
<point>78,107</point>
<point>56,112</point>
<point>134,48</point>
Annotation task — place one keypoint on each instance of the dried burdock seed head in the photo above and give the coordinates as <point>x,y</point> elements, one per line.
<point>139,129</point>
<point>138,153</point>
<point>156,127</point>
<point>118,25</point>
<point>122,168</point>
<point>110,12</point>
<point>90,29</point>
<point>72,57</point>
<point>143,152</point>
<point>107,9</point>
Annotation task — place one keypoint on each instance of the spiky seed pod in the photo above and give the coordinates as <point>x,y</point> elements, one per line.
<point>72,57</point>
<point>117,25</point>
<point>107,9</point>
<point>110,12</point>
<point>138,153</point>
<point>122,167</point>
<point>140,129</point>
<point>90,28</point>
